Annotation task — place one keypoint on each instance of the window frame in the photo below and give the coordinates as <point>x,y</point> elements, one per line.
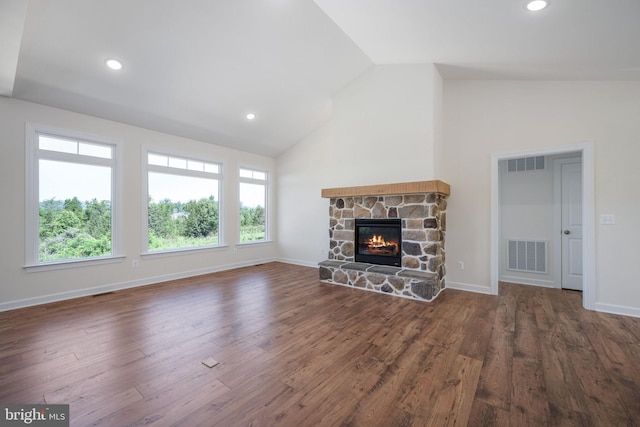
<point>267,211</point>
<point>147,167</point>
<point>32,218</point>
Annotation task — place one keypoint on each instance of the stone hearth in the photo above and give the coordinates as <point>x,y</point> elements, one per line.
<point>422,208</point>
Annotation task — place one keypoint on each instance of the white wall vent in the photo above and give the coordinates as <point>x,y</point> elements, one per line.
<point>527,255</point>
<point>525,164</point>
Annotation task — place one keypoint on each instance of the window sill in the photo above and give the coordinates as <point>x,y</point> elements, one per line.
<point>76,263</point>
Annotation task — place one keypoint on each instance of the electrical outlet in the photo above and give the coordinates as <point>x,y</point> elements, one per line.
<point>135,263</point>
<point>461,265</point>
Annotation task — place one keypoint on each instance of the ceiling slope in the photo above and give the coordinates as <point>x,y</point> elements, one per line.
<point>191,68</point>
<point>12,15</point>
<point>498,39</point>
<point>195,68</point>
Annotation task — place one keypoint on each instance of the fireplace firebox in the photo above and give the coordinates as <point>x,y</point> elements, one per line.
<point>379,241</point>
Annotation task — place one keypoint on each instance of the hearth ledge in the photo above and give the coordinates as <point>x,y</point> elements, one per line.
<point>400,282</point>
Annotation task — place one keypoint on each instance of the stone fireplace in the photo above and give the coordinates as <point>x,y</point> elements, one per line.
<point>419,207</point>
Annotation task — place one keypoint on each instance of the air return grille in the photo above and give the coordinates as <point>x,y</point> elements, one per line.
<point>527,255</point>
<point>524,164</point>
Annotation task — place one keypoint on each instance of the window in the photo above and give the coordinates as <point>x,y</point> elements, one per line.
<point>183,203</point>
<point>253,205</point>
<point>71,199</point>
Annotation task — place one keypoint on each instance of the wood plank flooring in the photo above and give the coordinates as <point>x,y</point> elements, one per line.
<point>297,352</point>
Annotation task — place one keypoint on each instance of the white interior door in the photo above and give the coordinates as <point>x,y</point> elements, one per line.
<point>571,222</point>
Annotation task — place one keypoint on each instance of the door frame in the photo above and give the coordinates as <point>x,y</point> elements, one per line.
<point>588,214</point>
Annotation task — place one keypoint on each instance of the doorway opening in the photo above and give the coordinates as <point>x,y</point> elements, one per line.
<point>536,237</point>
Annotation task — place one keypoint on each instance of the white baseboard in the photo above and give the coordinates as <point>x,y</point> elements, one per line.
<point>601,307</point>
<point>531,282</point>
<point>468,287</point>
<point>618,309</point>
<point>61,296</point>
<point>298,262</point>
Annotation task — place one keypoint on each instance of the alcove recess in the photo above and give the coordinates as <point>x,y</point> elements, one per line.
<point>421,206</point>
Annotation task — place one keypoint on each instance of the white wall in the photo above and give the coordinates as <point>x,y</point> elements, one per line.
<point>303,216</point>
<point>483,118</point>
<point>390,112</point>
<point>19,288</point>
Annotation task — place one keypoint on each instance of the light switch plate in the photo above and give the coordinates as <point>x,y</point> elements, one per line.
<point>607,219</point>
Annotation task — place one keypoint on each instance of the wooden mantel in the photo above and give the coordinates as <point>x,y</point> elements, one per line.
<point>417,187</point>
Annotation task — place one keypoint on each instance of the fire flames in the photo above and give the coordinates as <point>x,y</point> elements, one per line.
<point>378,242</point>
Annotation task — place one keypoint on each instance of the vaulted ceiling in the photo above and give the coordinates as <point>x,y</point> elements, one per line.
<point>195,68</point>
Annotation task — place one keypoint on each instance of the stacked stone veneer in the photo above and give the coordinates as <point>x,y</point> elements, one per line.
<point>423,235</point>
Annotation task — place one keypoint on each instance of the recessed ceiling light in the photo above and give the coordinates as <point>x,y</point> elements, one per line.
<point>250,116</point>
<point>536,5</point>
<point>114,64</point>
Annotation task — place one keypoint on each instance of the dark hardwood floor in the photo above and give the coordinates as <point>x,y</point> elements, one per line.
<point>297,352</point>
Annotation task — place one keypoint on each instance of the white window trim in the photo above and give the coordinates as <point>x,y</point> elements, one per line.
<point>146,168</point>
<point>32,220</point>
<point>267,205</point>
